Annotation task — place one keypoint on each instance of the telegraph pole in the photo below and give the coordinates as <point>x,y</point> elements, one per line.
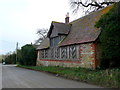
<point>16,51</point>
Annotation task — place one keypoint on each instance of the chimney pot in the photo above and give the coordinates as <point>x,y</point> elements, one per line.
<point>67,18</point>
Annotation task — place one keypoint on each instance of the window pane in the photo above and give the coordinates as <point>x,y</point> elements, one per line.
<point>57,52</point>
<point>42,53</point>
<point>46,53</point>
<point>52,52</point>
<point>56,41</point>
<point>64,52</point>
<point>51,42</point>
<point>72,52</point>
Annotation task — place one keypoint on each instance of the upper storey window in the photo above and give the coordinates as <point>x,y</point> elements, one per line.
<point>55,41</point>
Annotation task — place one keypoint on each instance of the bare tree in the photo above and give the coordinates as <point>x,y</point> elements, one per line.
<point>42,33</point>
<point>90,5</point>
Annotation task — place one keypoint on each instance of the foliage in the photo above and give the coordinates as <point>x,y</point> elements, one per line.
<point>109,39</point>
<point>0,58</point>
<point>105,78</point>
<point>19,57</point>
<point>10,59</point>
<point>27,55</point>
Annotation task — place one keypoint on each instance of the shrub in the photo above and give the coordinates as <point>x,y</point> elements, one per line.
<point>10,59</point>
<point>28,55</point>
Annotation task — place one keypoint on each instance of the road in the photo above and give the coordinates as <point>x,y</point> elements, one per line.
<point>15,77</point>
<point>0,76</point>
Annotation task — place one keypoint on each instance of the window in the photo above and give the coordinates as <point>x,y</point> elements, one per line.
<point>45,53</point>
<point>42,54</point>
<point>54,41</point>
<point>61,37</point>
<point>57,52</point>
<point>72,52</point>
<point>52,52</point>
<point>64,52</point>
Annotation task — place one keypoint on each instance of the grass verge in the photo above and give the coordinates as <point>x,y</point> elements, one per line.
<point>105,78</point>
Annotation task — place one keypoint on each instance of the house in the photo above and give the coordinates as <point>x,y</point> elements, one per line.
<point>72,44</point>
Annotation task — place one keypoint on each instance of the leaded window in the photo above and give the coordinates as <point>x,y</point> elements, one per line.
<point>45,53</point>
<point>64,52</point>
<point>51,42</point>
<point>52,52</point>
<point>61,37</point>
<point>57,52</point>
<point>72,52</point>
<point>55,40</point>
<point>42,53</point>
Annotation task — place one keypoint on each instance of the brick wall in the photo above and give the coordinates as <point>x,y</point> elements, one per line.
<point>86,58</point>
<point>87,55</point>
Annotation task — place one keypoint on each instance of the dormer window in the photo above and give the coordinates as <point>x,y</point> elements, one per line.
<point>58,31</point>
<point>56,40</point>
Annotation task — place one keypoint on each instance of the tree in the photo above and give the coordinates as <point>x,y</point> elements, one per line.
<point>10,59</point>
<point>109,38</point>
<point>25,56</point>
<point>19,57</point>
<point>42,33</point>
<point>28,55</point>
<point>90,5</point>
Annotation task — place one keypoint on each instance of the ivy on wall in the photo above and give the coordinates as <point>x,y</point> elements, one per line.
<point>109,38</point>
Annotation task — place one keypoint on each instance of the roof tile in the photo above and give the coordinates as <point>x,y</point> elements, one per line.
<point>83,29</point>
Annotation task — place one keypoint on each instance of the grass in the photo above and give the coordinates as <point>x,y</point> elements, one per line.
<point>105,78</point>
<point>0,58</point>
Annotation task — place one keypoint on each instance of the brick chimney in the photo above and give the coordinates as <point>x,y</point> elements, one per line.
<point>67,18</point>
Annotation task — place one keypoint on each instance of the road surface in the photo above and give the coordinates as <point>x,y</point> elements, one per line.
<point>0,76</point>
<point>15,77</point>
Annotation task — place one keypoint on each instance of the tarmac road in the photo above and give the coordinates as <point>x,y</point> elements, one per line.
<point>0,75</point>
<point>15,77</point>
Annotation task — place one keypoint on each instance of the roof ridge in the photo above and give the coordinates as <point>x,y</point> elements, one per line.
<point>57,22</point>
<point>60,22</point>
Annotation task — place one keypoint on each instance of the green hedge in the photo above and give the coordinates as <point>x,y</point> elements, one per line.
<point>27,55</point>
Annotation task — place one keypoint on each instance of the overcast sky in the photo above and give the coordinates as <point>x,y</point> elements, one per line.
<point>20,20</point>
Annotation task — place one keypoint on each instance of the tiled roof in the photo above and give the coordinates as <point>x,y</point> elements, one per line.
<point>83,29</point>
<point>79,31</point>
<point>57,28</point>
<point>44,44</point>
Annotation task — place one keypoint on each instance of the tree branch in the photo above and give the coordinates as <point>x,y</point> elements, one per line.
<point>95,4</point>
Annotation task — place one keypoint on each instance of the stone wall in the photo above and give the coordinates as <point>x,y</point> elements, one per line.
<point>86,58</point>
<point>87,55</point>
